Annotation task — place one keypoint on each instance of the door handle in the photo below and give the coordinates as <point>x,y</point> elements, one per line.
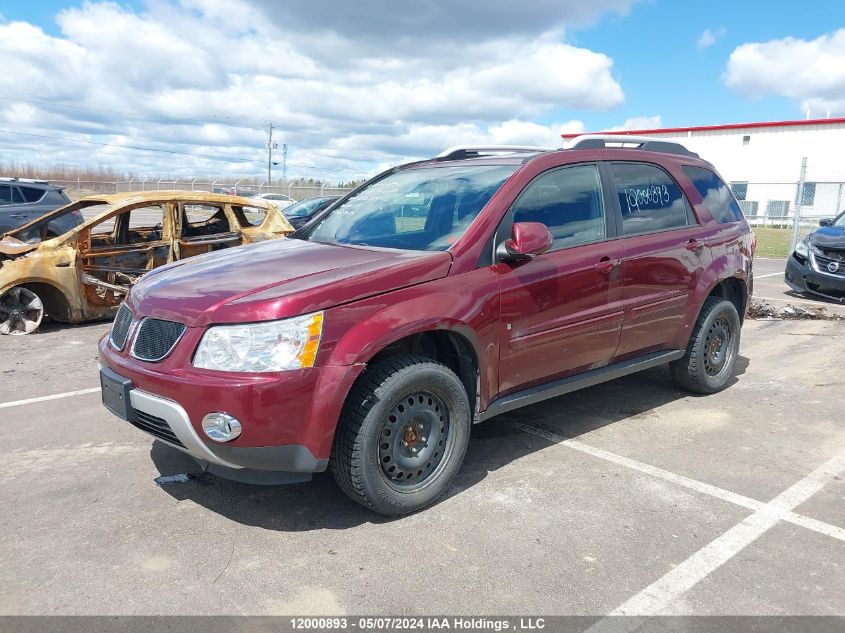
<point>606,265</point>
<point>694,245</point>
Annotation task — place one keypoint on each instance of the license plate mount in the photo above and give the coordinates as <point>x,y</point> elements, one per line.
<point>115,394</point>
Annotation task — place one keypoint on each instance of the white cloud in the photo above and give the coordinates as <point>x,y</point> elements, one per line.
<point>639,123</point>
<point>809,71</point>
<point>709,37</point>
<point>346,90</point>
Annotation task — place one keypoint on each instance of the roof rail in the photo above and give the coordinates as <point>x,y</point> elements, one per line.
<point>623,141</point>
<point>474,151</point>
<point>29,180</point>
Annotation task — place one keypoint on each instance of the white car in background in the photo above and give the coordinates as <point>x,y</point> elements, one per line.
<point>280,200</point>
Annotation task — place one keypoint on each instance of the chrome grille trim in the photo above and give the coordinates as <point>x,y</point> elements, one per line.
<point>120,327</point>
<point>821,263</point>
<point>155,339</point>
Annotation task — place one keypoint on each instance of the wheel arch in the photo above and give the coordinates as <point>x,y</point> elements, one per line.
<point>449,346</point>
<point>57,304</point>
<point>734,288</point>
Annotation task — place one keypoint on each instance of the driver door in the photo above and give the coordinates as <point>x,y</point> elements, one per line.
<point>117,251</point>
<point>561,312</point>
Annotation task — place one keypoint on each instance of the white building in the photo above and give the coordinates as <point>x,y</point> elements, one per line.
<point>762,161</point>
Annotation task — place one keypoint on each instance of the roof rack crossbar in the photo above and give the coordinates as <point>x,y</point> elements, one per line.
<point>474,151</point>
<point>616,141</point>
<point>29,180</point>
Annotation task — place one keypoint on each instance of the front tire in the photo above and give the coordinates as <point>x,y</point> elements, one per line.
<point>21,311</point>
<point>711,353</point>
<point>402,435</point>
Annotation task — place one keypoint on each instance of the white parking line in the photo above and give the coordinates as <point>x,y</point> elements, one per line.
<point>764,276</point>
<point>661,593</point>
<point>55,396</point>
<point>687,482</point>
<point>633,464</point>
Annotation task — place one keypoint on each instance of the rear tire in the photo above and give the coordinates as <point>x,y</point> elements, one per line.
<point>402,435</point>
<point>711,353</point>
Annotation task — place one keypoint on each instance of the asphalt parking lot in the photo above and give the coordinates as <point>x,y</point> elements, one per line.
<point>630,497</point>
<point>770,286</point>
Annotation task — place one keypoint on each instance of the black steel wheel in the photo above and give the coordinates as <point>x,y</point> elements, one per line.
<point>414,440</point>
<point>402,435</point>
<point>710,358</point>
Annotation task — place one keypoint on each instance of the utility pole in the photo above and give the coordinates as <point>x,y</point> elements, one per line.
<point>284,162</point>
<point>271,145</point>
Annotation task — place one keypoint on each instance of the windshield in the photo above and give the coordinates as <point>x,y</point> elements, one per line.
<point>304,208</point>
<point>840,221</point>
<point>425,209</point>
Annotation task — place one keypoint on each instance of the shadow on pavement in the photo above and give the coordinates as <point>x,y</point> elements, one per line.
<point>320,504</point>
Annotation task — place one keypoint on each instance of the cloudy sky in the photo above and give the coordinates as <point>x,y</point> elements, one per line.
<point>355,86</point>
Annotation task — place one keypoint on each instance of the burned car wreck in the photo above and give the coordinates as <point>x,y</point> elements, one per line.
<point>85,273</point>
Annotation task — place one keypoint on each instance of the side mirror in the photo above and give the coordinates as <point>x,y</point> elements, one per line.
<point>528,239</point>
<point>826,222</point>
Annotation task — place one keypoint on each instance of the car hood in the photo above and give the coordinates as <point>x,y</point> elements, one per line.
<point>277,279</point>
<point>831,237</point>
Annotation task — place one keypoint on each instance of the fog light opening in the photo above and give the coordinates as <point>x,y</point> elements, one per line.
<point>221,427</point>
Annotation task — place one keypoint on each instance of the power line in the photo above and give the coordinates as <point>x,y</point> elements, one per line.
<point>133,115</point>
<point>133,147</point>
<point>231,159</point>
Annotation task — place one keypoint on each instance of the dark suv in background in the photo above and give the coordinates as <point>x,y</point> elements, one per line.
<point>23,200</point>
<point>439,294</point>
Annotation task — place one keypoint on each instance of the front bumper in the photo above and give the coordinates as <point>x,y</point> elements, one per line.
<point>288,458</point>
<point>288,418</point>
<point>808,277</point>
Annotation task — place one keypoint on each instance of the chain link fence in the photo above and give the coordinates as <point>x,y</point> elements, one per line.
<point>781,213</point>
<point>79,188</point>
<point>784,213</point>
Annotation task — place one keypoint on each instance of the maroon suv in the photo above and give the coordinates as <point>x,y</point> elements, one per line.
<point>437,295</point>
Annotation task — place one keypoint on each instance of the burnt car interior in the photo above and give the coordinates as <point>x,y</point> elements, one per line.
<point>204,228</point>
<point>120,249</point>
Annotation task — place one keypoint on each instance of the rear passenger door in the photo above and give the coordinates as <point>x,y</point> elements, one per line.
<point>17,215</point>
<point>205,227</point>
<point>664,256</point>
<point>561,312</point>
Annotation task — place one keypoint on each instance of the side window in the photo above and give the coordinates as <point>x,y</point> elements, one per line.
<point>715,194</point>
<point>31,194</point>
<point>649,199</point>
<point>569,201</point>
<point>203,219</point>
<point>250,216</point>
<point>5,194</point>
<point>135,226</point>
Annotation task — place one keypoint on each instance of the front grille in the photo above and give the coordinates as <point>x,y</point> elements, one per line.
<point>120,327</point>
<point>156,427</point>
<point>838,256</point>
<point>830,266</point>
<point>156,338</point>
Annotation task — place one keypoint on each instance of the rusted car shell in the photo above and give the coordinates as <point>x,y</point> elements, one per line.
<point>60,271</point>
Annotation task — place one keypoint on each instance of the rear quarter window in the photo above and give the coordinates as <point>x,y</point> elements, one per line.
<point>31,194</point>
<point>715,193</point>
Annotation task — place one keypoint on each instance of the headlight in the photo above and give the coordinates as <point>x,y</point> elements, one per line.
<point>803,249</point>
<point>261,347</point>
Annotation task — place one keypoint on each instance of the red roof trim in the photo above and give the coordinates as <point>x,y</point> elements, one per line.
<point>712,128</point>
